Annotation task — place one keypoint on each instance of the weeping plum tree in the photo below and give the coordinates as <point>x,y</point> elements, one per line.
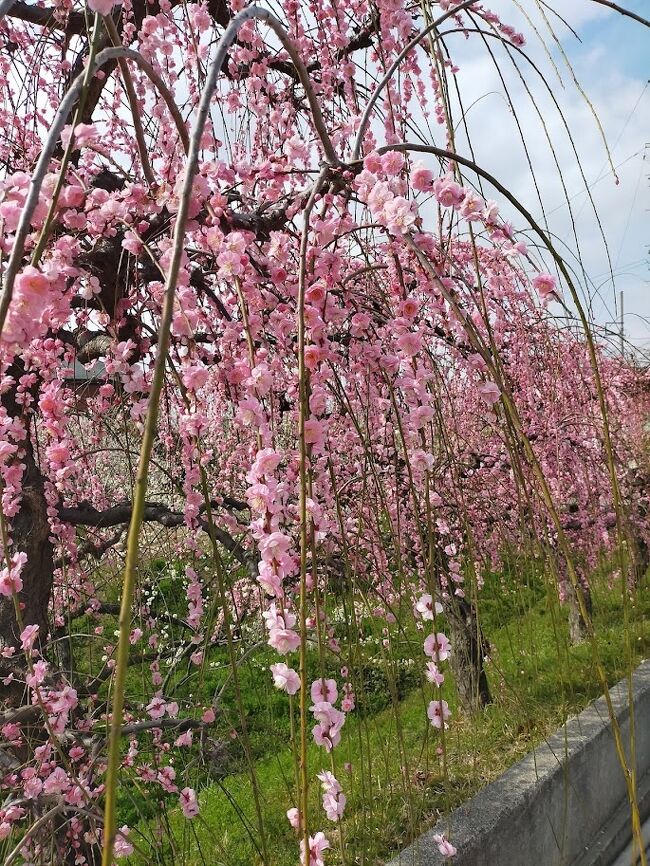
<point>252,305</point>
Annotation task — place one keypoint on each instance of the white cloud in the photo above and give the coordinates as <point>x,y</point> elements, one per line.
<point>622,104</point>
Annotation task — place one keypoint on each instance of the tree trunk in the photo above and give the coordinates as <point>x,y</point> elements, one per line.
<point>578,631</point>
<point>30,533</point>
<point>469,647</point>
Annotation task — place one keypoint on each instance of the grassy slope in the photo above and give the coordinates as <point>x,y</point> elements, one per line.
<point>536,679</point>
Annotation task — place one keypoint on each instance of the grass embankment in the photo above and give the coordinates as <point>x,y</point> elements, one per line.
<point>388,763</point>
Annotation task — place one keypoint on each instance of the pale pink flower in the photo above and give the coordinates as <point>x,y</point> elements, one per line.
<point>122,846</point>
<point>10,580</point>
<point>444,846</point>
<point>489,392</point>
<point>433,674</point>
<point>189,803</point>
<point>327,732</point>
<point>156,707</point>
<point>546,285</point>
<point>333,797</point>
<point>185,739</point>
<point>421,178</point>
<point>285,678</point>
<point>437,646</point>
<point>373,163</point>
<point>324,690</point>
<point>425,606</point>
<point>410,343</point>
<point>28,636</point>
<point>317,844</point>
<point>448,192</point>
<point>399,215</point>
<point>392,162</point>
<point>438,713</point>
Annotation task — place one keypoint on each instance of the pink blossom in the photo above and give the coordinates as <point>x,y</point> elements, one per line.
<point>421,178</point>
<point>448,192</point>
<point>324,690</point>
<point>410,343</point>
<point>444,846</point>
<point>472,207</point>
<point>285,678</point>
<point>317,844</point>
<point>123,848</point>
<point>195,377</point>
<point>546,285</point>
<point>28,636</point>
<point>489,392</point>
<point>10,580</point>
<point>392,162</point>
<point>425,606</point>
<point>333,797</point>
<point>438,713</point>
<point>437,646</point>
<point>327,732</point>
<point>156,707</point>
<point>185,739</point>
<point>189,803</point>
<point>399,215</point>
<point>433,674</point>
<point>373,163</point>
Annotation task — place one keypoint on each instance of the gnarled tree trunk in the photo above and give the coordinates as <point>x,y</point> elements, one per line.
<point>469,648</point>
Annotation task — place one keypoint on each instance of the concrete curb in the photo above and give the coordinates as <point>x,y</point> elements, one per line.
<point>564,804</point>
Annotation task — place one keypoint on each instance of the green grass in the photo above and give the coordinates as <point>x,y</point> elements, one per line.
<point>396,782</point>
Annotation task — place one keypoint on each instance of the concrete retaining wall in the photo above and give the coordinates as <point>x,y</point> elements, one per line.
<point>564,804</point>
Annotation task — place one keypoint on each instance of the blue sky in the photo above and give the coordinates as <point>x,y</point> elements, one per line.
<point>612,64</point>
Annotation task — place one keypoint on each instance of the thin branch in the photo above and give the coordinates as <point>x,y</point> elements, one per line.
<point>621,11</point>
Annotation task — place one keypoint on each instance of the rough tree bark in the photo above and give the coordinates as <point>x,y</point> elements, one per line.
<point>30,533</point>
<point>469,648</point>
<point>578,631</point>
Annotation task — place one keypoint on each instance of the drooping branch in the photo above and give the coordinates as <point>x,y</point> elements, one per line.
<point>156,512</point>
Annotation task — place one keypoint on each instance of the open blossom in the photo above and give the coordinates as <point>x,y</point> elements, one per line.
<point>282,636</point>
<point>10,579</point>
<point>472,207</point>
<point>189,803</point>
<point>399,215</point>
<point>425,606</point>
<point>437,646</point>
<point>333,797</point>
<point>327,732</point>
<point>285,678</point>
<point>546,285</point>
<point>421,178</point>
<point>444,845</point>
<point>28,636</point>
<point>274,546</point>
<point>392,162</point>
<point>317,844</point>
<point>324,690</point>
<point>123,848</point>
<point>448,192</point>
<point>438,713</point>
<point>434,675</point>
<point>489,392</point>
<point>410,343</point>
<point>157,708</point>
